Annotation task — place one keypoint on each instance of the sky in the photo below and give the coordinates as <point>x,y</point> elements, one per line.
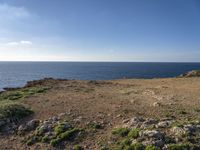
<point>100,30</point>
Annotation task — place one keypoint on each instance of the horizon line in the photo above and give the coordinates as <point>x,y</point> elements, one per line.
<point>101,61</point>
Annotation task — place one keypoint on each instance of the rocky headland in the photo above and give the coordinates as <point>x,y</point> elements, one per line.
<point>127,114</point>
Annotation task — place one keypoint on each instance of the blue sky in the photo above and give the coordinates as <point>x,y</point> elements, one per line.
<point>100,30</point>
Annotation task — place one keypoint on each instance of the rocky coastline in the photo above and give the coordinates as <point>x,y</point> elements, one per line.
<point>128,114</point>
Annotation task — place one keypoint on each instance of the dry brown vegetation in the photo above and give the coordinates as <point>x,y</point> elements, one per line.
<point>100,106</point>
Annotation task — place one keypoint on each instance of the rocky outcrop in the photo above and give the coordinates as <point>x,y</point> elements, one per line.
<point>193,73</point>
<point>162,134</point>
<point>29,126</point>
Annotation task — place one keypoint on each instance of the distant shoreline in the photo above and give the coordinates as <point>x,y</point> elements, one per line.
<point>16,74</point>
<point>96,62</point>
<point>40,81</point>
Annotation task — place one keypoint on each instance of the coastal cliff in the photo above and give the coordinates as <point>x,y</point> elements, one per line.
<point>141,114</point>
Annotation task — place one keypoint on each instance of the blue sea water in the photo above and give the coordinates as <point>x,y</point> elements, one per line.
<point>14,74</point>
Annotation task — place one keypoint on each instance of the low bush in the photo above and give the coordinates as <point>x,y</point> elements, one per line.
<point>11,110</point>
<point>45,139</point>
<point>69,134</point>
<point>179,147</point>
<point>137,146</point>
<point>121,131</point>
<point>134,133</point>
<point>21,93</point>
<point>151,147</point>
<point>78,147</point>
<point>55,142</point>
<point>60,128</point>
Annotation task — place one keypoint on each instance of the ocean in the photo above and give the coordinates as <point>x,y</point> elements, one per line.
<point>16,74</point>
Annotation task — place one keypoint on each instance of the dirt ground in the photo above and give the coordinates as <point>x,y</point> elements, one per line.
<point>110,102</point>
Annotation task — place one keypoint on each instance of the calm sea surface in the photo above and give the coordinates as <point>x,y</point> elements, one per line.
<point>14,74</point>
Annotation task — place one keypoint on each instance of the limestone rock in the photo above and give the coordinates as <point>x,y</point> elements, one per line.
<point>153,134</point>
<point>164,124</point>
<point>156,104</point>
<point>178,131</point>
<point>31,125</point>
<point>193,73</point>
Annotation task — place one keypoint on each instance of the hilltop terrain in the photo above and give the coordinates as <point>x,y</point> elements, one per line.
<point>99,115</point>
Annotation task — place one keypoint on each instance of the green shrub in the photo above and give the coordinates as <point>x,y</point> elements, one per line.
<point>179,147</point>
<point>40,131</point>
<point>11,110</point>
<point>134,133</point>
<point>21,93</point>
<point>121,131</point>
<point>45,139</point>
<point>126,142</point>
<point>68,134</point>
<point>29,142</point>
<point>78,147</point>
<point>151,147</point>
<point>137,146</point>
<point>55,142</point>
<point>60,128</point>
<point>14,95</point>
<point>197,109</point>
<point>34,90</point>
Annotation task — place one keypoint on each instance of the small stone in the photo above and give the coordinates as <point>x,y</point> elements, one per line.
<point>178,131</point>
<point>165,147</point>
<point>148,142</point>
<point>44,128</point>
<point>135,121</point>
<point>61,114</point>
<point>148,123</point>
<point>54,118</point>
<point>22,128</point>
<point>49,134</point>
<point>156,104</point>
<point>132,101</point>
<point>31,125</point>
<point>119,116</point>
<point>78,119</point>
<point>125,121</point>
<point>164,124</point>
<point>134,141</point>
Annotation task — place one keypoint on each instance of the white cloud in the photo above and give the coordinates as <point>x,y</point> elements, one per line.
<point>26,42</point>
<point>14,43</point>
